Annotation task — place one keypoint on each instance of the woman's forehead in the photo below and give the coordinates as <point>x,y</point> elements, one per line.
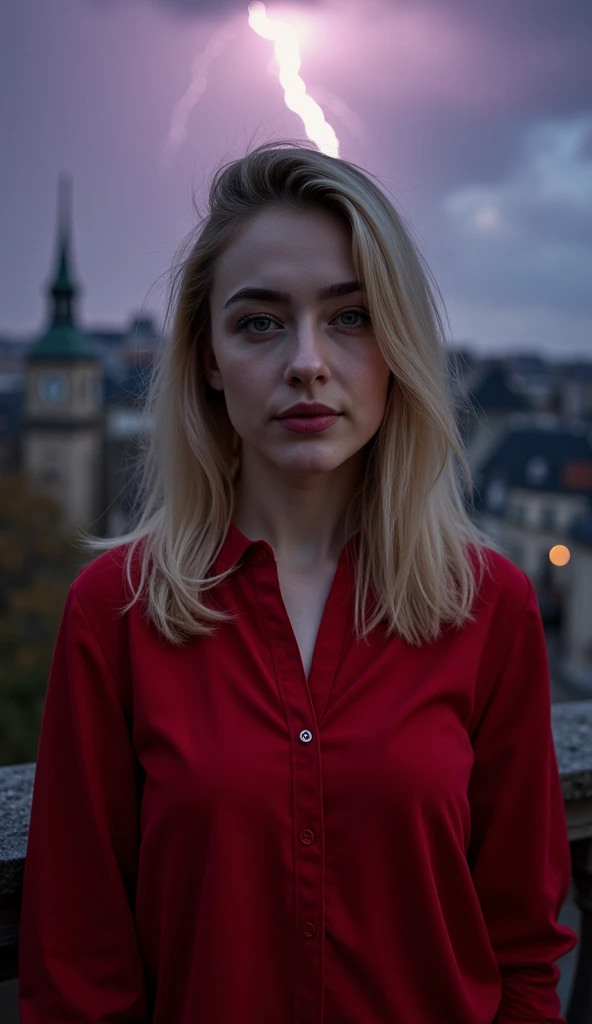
<point>276,244</point>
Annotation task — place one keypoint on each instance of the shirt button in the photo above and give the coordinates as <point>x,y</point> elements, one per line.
<point>307,836</point>
<point>262,554</point>
<point>305,736</point>
<point>308,929</point>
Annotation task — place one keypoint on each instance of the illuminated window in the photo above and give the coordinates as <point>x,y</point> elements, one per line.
<point>577,475</point>
<point>559,554</point>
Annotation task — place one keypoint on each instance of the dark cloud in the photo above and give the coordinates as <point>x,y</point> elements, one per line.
<point>470,113</point>
<point>206,7</point>
<point>525,19</point>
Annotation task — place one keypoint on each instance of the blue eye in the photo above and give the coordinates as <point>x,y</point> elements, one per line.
<point>264,324</point>
<point>259,321</point>
<point>360,313</point>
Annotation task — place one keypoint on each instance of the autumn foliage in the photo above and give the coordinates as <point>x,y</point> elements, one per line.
<point>38,561</point>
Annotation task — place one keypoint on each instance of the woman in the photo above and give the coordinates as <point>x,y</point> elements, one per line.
<point>296,760</point>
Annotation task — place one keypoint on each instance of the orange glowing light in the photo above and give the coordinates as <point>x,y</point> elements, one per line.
<point>296,98</point>
<point>559,554</point>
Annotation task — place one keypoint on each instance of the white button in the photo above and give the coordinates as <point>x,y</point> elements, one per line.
<point>306,735</point>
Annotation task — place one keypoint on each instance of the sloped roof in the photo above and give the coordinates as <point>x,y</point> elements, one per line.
<point>106,336</point>
<point>62,341</point>
<point>528,362</point>
<point>541,460</point>
<point>494,393</point>
<point>130,390</point>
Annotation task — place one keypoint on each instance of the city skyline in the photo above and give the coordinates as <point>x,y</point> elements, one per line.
<point>488,153</point>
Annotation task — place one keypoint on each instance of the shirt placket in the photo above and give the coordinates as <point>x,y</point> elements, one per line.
<point>307,787</point>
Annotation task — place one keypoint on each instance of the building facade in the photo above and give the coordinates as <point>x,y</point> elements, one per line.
<point>63,415</point>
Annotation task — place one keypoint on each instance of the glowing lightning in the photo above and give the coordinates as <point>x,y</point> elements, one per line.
<point>331,101</point>
<point>199,80</point>
<point>287,53</point>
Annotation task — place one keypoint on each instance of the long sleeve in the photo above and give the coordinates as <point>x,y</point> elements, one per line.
<point>519,852</point>
<point>79,957</point>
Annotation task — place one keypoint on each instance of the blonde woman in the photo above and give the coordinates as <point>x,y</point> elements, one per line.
<point>296,763</point>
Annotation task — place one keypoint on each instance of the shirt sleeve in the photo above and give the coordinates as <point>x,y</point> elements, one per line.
<point>79,958</point>
<point>519,850</point>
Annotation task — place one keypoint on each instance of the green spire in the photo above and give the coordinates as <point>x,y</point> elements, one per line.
<point>63,339</point>
<point>63,284</point>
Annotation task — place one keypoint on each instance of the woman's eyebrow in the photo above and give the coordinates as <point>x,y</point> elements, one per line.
<point>332,291</point>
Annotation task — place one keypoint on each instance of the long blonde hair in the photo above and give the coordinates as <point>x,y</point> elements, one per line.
<point>419,551</point>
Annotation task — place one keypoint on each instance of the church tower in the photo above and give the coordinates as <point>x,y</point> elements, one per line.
<point>63,435</point>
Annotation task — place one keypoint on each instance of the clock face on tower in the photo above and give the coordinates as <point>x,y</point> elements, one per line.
<point>53,387</point>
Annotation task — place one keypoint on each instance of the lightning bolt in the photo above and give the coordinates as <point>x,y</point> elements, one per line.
<point>287,53</point>
<point>334,103</point>
<point>197,87</point>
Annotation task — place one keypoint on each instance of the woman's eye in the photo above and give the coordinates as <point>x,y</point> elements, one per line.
<point>354,318</point>
<point>260,324</point>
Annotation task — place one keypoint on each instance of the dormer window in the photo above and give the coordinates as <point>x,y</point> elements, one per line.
<point>495,496</point>
<point>537,470</point>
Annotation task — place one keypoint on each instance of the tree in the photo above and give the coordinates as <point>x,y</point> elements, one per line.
<point>39,559</point>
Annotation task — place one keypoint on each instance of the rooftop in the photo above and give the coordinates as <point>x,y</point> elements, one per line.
<point>494,392</point>
<point>557,459</point>
<point>63,339</point>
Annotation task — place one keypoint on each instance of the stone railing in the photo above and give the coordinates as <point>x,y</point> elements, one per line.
<point>572,731</point>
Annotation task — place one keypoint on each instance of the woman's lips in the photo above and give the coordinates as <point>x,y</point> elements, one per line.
<point>309,424</point>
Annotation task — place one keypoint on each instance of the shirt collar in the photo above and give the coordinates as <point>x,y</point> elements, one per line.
<point>236,547</point>
<point>232,550</point>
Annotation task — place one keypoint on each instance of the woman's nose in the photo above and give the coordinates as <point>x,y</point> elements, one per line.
<point>308,340</point>
<point>307,352</point>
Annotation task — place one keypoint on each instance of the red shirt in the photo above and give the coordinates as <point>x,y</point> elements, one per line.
<point>215,840</point>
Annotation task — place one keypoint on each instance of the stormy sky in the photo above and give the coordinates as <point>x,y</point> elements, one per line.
<point>477,118</point>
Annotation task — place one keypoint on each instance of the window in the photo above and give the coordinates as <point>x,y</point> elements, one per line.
<point>537,470</point>
<point>577,476</point>
<point>495,495</point>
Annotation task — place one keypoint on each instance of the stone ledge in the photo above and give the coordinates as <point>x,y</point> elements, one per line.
<point>572,734</point>
<point>16,790</point>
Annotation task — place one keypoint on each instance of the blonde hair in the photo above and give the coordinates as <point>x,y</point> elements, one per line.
<point>418,547</point>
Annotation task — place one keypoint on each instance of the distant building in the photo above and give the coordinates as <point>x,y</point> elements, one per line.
<point>577,621</point>
<point>63,422</point>
<point>536,380</point>
<point>12,403</point>
<point>575,390</point>
<point>495,406</point>
<point>71,403</point>
<point>535,485</point>
<point>11,417</point>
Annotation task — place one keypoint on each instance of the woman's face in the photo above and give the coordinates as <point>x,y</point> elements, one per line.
<point>289,324</point>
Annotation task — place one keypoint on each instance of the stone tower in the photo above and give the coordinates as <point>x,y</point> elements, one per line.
<point>63,429</point>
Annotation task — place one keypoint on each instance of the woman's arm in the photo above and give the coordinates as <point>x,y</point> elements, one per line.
<point>519,852</point>
<point>79,959</point>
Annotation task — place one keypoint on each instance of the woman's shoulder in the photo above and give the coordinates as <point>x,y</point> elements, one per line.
<point>102,586</point>
<point>503,584</point>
